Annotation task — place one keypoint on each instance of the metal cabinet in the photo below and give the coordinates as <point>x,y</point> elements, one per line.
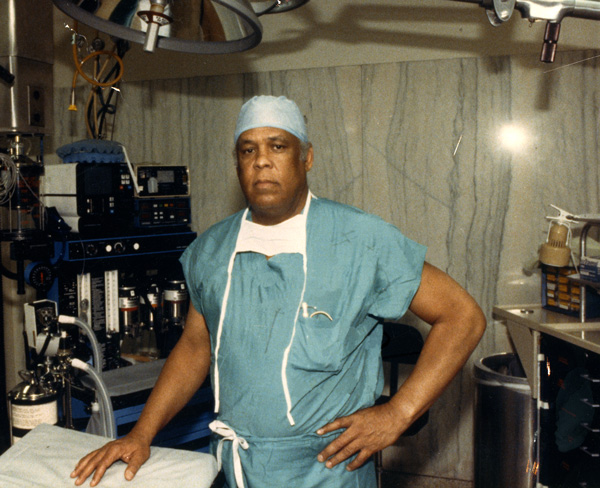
<point>561,358</point>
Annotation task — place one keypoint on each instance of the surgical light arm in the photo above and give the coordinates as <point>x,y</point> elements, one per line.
<point>551,11</point>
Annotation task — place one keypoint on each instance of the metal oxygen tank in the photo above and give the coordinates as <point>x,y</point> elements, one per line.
<point>31,403</point>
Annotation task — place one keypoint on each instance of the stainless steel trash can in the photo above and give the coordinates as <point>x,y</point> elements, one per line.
<point>504,425</point>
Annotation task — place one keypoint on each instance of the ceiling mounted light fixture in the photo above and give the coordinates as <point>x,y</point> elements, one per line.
<point>193,26</point>
<point>262,7</point>
<point>551,11</point>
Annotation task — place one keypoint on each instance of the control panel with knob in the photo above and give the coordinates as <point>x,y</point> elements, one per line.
<point>123,246</point>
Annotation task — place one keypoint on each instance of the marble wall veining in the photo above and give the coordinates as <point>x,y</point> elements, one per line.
<point>417,143</point>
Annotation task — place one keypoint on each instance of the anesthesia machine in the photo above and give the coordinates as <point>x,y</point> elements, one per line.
<point>99,239</point>
<point>112,293</point>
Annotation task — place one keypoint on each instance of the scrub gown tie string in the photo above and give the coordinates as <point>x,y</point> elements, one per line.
<point>228,434</point>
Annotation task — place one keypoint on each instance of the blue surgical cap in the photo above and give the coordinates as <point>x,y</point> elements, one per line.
<point>269,111</point>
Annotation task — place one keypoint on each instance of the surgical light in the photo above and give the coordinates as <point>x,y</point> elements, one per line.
<point>194,26</point>
<point>275,6</point>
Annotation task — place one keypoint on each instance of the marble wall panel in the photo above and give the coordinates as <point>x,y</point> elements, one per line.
<point>417,143</point>
<point>556,107</point>
<point>426,131</point>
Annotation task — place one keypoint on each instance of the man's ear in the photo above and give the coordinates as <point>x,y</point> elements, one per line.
<point>309,159</point>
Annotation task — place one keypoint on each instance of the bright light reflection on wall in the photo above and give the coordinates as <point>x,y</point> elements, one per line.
<point>513,137</point>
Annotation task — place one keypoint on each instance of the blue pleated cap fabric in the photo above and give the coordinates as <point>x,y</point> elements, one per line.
<point>269,111</point>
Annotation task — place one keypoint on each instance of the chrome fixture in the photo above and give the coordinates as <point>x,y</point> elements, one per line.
<point>551,11</point>
<point>194,26</point>
<point>275,6</point>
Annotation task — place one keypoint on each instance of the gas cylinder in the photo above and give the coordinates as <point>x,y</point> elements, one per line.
<point>31,403</point>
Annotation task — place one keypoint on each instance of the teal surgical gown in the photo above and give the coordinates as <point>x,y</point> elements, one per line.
<point>359,269</point>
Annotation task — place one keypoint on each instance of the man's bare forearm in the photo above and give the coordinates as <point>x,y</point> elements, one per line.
<point>183,373</point>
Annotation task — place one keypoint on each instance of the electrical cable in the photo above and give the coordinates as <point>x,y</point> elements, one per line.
<point>92,102</point>
<point>88,125</point>
<point>109,81</point>
<point>108,108</point>
<point>11,275</point>
<point>97,105</point>
<point>44,348</point>
<point>79,70</point>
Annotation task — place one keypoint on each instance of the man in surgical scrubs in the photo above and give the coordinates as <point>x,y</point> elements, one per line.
<point>286,299</point>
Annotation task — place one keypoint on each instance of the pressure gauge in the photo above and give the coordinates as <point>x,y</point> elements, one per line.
<point>40,275</point>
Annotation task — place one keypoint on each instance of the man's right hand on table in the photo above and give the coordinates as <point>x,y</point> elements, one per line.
<point>130,449</point>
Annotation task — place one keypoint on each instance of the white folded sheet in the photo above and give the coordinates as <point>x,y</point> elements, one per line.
<point>47,455</point>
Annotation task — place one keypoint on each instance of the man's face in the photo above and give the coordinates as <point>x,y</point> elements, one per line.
<point>272,174</point>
